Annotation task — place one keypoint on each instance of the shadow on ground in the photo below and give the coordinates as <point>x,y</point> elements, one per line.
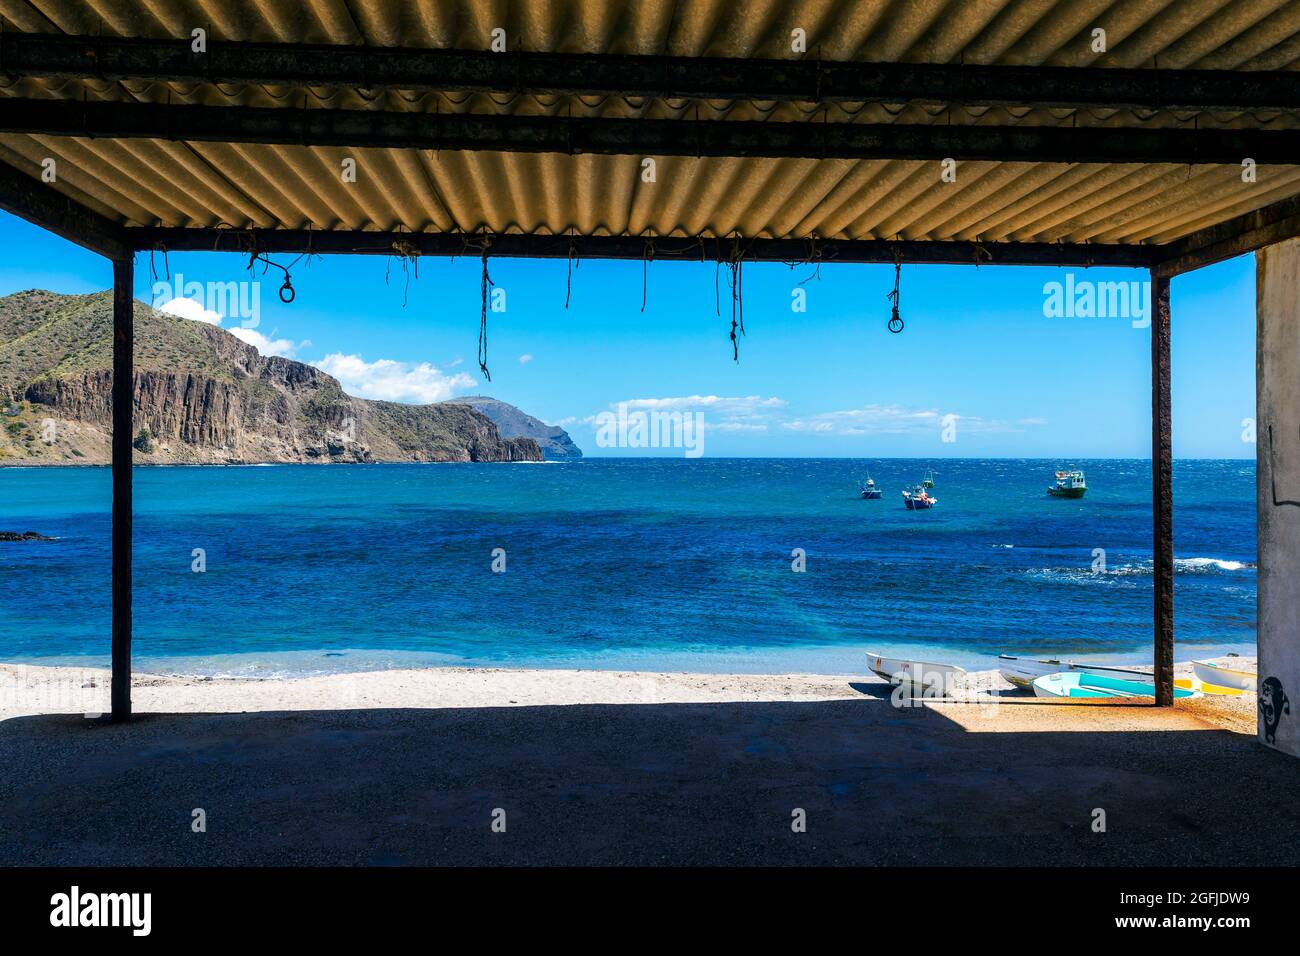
<point>634,784</point>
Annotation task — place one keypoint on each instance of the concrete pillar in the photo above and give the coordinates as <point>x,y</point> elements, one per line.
<point>1162,492</point>
<point>123,434</point>
<point>1277,449</point>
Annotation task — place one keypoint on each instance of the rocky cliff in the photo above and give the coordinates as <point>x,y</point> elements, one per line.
<point>554,441</point>
<point>202,396</point>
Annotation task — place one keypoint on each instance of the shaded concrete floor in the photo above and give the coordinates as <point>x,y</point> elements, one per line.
<point>647,784</point>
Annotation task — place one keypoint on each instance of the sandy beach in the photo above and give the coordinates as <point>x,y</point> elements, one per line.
<point>604,767</point>
<point>31,690</point>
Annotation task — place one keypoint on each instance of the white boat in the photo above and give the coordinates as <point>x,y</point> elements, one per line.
<point>1081,684</point>
<point>1219,676</point>
<point>1022,671</point>
<point>1069,484</point>
<point>918,499</point>
<point>919,676</point>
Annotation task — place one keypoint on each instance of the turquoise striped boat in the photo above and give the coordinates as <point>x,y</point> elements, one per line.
<point>1079,684</point>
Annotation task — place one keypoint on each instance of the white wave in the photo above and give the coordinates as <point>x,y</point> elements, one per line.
<point>1083,573</point>
<point>1195,564</point>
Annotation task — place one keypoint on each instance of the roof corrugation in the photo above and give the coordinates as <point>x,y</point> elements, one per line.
<point>144,182</point>
<point>206,184</point>
<point>1209,34</point>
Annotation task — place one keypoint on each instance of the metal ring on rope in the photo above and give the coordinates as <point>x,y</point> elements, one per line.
<point>896,320</point>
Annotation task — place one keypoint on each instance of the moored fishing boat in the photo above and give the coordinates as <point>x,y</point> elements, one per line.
<point>918,676</point>
<point>1069,484</point>
<point>869,490</point>
<point>1080,684</point>
<point>918,499</point>
<point>928,481</point>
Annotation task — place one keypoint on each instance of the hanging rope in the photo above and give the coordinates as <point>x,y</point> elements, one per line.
<point>568,281</point>
<point>153,273</point>
<point>409,253</point>
<point>814,259</point>
<point>486,284</point>
<point>896,320</point>
<point>736,267</point>
<point>647,254</point>
<point>287,291</point>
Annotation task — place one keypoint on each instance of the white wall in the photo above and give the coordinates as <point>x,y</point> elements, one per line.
<point>1278,455</point>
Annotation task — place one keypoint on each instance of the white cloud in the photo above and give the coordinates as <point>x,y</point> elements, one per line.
<point>282,347</point>
<point>718,404</point>
<point>525,359</point>
<point>193,309</point>
<point>736,413</point>
<point>868,420</point>
<point>393,381</point>
<point>190,309</point>
<point>756,413</point>
<point>898,420</point>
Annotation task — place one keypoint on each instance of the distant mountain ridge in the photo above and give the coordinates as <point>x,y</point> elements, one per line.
<point>203,396</point>
<point>554,441</point>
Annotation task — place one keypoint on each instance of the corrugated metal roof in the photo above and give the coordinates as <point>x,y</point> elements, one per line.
<point>144,182</point>
<point>1210,34</point>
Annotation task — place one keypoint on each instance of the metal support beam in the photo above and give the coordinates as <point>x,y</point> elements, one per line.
<point>291,126</point>
<point>805,80</point>
<point>1162,499</point>
<point>1233,237</point>
<point>43,205</point>
<point>123,426</point>
<point>534,246</point>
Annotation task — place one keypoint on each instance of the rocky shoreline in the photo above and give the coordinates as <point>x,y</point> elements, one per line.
<point>204,397</point>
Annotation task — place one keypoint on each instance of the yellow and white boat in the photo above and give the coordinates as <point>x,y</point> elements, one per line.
<point>1231,678</point>
<point>1210,690</point>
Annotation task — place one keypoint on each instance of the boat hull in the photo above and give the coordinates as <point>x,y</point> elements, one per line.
<point>1066,492</point>
<point>918,676</point>
<point>1230,677</point>
<point>1022,671</point>
<point>1080,685</point>
<point>1209,690</point>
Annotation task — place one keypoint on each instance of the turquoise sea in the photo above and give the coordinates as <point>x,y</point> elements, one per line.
<point>661,564</point>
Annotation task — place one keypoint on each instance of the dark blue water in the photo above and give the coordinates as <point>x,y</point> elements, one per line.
<point>652,563</point>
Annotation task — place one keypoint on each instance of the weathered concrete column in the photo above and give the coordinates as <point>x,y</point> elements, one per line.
<point>1277,450</point>
<point>123,433</point>
<point>1162,492</point>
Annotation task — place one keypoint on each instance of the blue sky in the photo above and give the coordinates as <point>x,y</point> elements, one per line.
<point>828,381</point>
